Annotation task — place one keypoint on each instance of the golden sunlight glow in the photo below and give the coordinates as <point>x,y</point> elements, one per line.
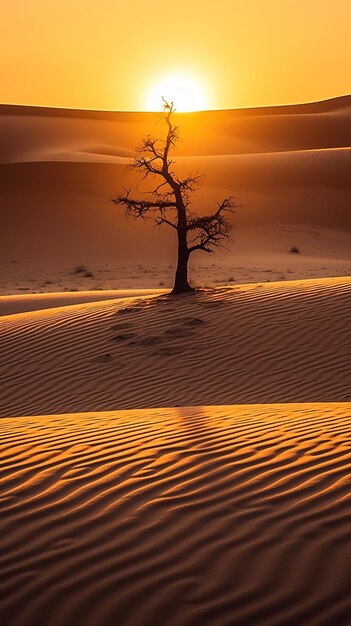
<point>277,56</point>
<point>186,93</point>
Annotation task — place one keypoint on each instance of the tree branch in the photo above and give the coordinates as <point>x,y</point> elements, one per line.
<point>162,220</point>
<point>212,230</point>
<point>139,208</point>
<point>168,202</point>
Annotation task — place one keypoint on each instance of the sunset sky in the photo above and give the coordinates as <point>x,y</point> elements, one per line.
<point>113,54</point>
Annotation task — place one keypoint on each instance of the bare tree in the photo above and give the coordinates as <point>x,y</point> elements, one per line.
<point>169,202</point>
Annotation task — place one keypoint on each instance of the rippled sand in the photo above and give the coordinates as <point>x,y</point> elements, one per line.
<point>205,515</point>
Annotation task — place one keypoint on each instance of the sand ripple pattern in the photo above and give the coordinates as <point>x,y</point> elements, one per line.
<point>178,517</point>
<point>260,343</point>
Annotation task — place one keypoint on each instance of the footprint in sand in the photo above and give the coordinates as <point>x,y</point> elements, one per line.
<point>147,341</point>
<point>193,321</point>
<point>179,333</point>
<point>102,358</point>
<point>120,326</point>
<point>168,351</point>
<point>127,311</point>
<point>124,337</point>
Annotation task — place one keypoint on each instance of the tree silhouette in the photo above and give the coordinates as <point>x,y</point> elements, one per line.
<point>169,202</point>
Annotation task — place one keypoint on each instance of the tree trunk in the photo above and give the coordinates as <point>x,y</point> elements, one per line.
<point>181,284</point>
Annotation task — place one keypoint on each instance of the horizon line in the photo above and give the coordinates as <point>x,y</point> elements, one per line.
<point>135,111</point>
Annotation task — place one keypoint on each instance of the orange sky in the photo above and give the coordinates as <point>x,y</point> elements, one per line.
<point>108,54</point>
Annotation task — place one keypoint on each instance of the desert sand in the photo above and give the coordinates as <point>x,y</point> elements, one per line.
<point>232,511</point>
<point>288,168</point>
<point>175,460</point>
<point>259,343</point>
<point>205,515</point>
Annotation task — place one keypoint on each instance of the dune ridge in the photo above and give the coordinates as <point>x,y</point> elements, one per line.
<point>226,515</point>
<point>15,304</point>
<point>59,169</point>
<point>323,124</point>
<point>272,342</point>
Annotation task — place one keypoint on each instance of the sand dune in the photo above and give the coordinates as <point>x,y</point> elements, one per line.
<point>274,342</point>
<point>59,169</point>
<point>208,515</point>
<point>29,132</point>
<point>10,305</point>
<point>232,507</point>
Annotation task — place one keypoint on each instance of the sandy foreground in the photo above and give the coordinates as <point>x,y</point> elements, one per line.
<point>259,343</point>
<point>205,515</point>
<point>232,511</point>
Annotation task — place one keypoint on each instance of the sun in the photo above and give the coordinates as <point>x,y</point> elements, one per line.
<point>186,92</point>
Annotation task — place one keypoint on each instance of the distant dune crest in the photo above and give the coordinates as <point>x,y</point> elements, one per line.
<point>59,169</point>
